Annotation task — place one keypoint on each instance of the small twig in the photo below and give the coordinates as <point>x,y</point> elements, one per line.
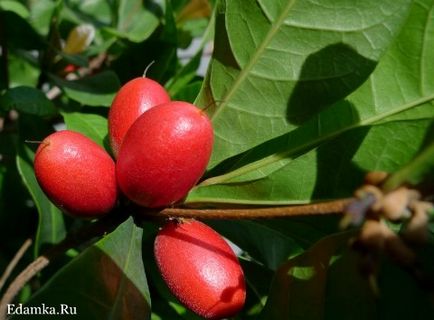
<point>20,253</point>
<point>96,229</point>
<point>336,206</point>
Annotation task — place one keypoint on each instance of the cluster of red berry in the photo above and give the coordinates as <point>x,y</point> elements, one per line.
<point>161,148</point>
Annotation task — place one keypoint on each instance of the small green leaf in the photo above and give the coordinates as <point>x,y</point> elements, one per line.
<point>106,281</point>
<point>91,125</point>
<point>51,227</point>
<point>419,169</point>
<point>27,100</point>
<point>186,74</point>
<point>136,22</point>
<point>96,90</point>
<point>16,7</point>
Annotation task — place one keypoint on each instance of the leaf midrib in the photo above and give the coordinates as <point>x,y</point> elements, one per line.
<point>284,154</point>
<point>245,71</point>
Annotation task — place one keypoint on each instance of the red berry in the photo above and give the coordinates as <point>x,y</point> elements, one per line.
<point>76,174</point>
<point>164,154</point>
<point>134,98</point>
<point>200,269</point>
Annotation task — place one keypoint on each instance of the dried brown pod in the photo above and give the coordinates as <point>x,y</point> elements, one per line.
<point>375,177</point>
<point>394,204</point>
<point>416,230</point>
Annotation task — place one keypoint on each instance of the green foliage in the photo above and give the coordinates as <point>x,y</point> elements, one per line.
<point>305,98</point>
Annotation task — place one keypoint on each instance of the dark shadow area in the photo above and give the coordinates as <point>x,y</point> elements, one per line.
<point>337,175</point>
<point>327,76</point>
<point>97,287</point>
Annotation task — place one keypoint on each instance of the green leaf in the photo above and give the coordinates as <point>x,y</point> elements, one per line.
<point>418,170</point>
<point>27,100</point>
<point>41,12</point>
<point>106,281</point>
<point>51,227</point>
<point>16,7</point>
<point>20,34</point>
<point>136,21</point>
<point>186,74</point>
<point>91,125</point>
<point>262,243</point>
<point>189,92</point>
<point>333,170</point>
<point>276,64</point>
<point>399,84</point>
<point>96,90</point>
<point>320,281</point>
<point>21,72</point>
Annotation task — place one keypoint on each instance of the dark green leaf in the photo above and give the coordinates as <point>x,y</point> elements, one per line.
<point>51,227</point>
<point>184,75</point>
<point>91,125</point>
<point>262,243</point>
<point>96,90</point>
<point>189,92</point>
<point>277,64</point>
<point>27,100</point>
<point>20,35</point>
<point>106,281</point>
<point>320,281</point>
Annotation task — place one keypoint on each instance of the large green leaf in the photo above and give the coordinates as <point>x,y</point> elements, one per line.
<point>27,100</point>
<point>91,125</point>
<point>278,63</point>
<point>332,170</point>
<point>106,281</point>
<point>395,91</point>
<point>51,227</point>
<point>96,90</point>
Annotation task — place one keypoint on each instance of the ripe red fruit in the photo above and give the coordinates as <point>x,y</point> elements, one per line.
<point>76,174</point>
<point>164,154</point>
<point>200,269</point>
<point>134,98</point>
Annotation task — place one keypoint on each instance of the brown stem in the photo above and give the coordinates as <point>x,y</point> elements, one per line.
<point>330,207</point>
<point>20,253</point>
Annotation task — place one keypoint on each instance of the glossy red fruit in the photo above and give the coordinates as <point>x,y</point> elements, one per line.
<point>134,98</point>
<point>200,269</point>
<point>76,174</point>
<point>164,154</point>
